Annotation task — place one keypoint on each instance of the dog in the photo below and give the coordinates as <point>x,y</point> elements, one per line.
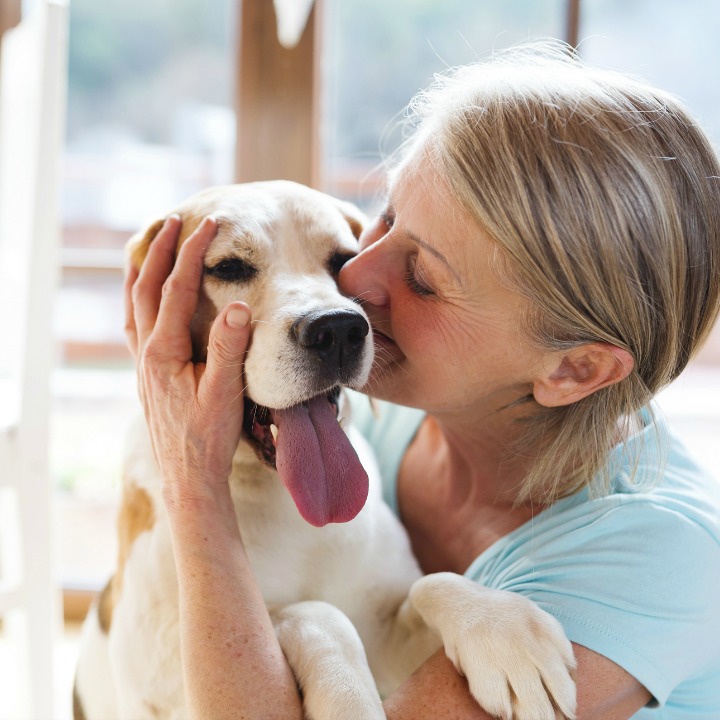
<point>346,595</point>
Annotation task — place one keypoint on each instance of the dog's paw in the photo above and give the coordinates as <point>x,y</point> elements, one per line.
<point>327,657</point>
<point>515,656</point>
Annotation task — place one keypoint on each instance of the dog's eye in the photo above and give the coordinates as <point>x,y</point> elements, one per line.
<point>232,269</point>
<point>337,260</point>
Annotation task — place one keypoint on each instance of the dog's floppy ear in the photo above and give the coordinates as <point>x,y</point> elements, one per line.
<point>355,217</point>
<point>138,245</point>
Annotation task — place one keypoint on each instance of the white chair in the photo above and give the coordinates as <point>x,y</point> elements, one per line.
<point>32,111</point>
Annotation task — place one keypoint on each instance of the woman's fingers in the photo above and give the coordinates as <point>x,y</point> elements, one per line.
<point>194,411</point>
<point>180,294</point>
<point>147,289</point>
<point>221,387</point>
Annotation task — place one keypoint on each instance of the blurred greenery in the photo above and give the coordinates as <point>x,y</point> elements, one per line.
<point>381,52</point>
<point>131,62</point>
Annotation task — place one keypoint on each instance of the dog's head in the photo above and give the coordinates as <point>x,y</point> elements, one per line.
<point>279,247</point>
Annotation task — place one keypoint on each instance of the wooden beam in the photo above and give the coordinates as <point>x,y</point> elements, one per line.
<point>276,100</point>
<point>572,26</point>
<point>10,11</point>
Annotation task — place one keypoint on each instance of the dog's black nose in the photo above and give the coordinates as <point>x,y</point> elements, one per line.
<point>335,336</point>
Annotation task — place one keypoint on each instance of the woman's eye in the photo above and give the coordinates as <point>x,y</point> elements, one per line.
<point>231,270</point>
<point>415,283</point>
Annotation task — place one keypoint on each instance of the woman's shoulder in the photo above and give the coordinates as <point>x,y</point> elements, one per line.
<point>631,573</point>
<point>656,474</point>
<point>661,509</point>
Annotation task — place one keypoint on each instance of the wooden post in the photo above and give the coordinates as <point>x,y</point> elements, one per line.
<point>277,100</point>
<point>572,28</point>
<point>9,14</point>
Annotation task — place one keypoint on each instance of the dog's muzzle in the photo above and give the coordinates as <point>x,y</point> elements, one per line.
<point>304,442</point>
<point>333,340</point>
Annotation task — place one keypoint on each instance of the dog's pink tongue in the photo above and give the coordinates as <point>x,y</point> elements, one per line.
<point>318,464</point>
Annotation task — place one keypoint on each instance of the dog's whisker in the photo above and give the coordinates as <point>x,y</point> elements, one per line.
<point>227,365</point>
<point>362,300</point>
<point>237,396</point>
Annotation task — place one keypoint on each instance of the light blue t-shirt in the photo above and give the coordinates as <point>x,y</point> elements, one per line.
<point>633,575</point>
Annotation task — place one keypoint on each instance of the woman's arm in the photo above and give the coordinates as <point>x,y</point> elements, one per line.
<point>233,666</point>
<point>437,692</point>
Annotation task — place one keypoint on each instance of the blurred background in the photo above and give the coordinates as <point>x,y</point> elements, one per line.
<point>152,117</point>
<point>170,96</point>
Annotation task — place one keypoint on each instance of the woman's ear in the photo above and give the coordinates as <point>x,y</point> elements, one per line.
<point>580,372</point>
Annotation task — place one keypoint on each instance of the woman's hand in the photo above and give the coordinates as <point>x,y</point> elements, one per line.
<point>232,663</point>
<point>194,410</point>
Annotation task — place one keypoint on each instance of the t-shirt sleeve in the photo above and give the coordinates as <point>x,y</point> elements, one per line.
<point>636,582</point>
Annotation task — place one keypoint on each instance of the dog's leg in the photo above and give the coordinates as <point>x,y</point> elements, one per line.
<point>328,660</point>
<point>515,656</point>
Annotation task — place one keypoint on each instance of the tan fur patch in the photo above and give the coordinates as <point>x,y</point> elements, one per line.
<point>105,607</point>
<point>138,245</point>
<point>137,515</point>
<point>78,711</point>
<point>354,217</point>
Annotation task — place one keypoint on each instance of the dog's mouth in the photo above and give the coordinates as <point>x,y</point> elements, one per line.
<point>312,455</point>
<point>261,430</point>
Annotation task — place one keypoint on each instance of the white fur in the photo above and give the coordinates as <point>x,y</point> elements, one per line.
<point>346,599</point>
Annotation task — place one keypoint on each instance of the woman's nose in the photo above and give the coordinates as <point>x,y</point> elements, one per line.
<point>362,277</point>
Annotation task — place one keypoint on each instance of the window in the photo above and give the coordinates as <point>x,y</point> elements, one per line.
<point>378,54</point>
<point>151,120</point>
<point>676,49</point>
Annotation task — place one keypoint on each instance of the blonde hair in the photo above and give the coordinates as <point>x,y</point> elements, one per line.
<point>603,197</point>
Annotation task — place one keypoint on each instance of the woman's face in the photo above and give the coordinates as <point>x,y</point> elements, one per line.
<point>447,332</point>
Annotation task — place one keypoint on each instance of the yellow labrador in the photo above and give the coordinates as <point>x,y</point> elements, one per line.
<point>350,607</point>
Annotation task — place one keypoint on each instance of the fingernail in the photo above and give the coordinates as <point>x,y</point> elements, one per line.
<point>172,218</point>
<point>237,317</point>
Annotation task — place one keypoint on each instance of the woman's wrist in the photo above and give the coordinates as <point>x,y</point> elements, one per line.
<point>190,488</point>
<point>201,514</point>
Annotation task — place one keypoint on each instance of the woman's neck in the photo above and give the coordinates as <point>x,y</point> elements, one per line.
<point>457,495</point>
<point>477,460</point>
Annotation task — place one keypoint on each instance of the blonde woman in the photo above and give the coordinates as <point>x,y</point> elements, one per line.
<point>547,261</point>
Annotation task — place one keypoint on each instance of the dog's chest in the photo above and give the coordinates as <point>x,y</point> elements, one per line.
<point>291,559</point>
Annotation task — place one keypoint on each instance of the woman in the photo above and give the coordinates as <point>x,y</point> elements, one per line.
<point>548,260</point>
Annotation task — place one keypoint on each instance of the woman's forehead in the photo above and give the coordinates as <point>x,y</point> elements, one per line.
<point>418,189</point>
<point>433,215</point>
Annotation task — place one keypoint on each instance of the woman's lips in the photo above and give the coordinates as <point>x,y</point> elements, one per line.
<point>387,351</point>
<point>382,337</point>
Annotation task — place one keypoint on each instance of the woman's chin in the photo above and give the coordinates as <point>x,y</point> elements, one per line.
<point>385,384</point>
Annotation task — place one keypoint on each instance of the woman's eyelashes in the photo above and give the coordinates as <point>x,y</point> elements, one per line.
<point>413,277</point>
<point>415,282</point>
